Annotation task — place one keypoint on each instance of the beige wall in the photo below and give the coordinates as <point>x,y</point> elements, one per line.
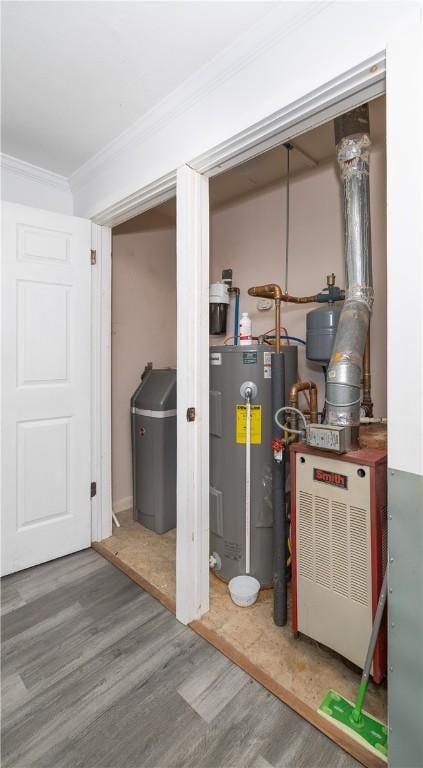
<point>249,236</point>
<point>143,325</point>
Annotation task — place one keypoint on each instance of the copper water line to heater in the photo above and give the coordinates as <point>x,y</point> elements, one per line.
<point>302,386</point>
<point>271,291</point>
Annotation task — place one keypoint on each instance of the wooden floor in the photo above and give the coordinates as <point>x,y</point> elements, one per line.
<point>97,673</point>
<point>297,670</point>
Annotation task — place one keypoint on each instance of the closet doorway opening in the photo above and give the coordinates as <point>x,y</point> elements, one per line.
<point>143,399</point>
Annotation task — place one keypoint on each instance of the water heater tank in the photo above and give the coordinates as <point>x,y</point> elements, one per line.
<point>230,367</point>
<point>322,324</point>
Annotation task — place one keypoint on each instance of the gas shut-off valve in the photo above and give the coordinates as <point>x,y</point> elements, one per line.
<point>278,447</point>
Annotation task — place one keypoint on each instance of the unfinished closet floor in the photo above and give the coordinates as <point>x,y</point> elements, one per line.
<point>147,557</point>
<point>298,671</point>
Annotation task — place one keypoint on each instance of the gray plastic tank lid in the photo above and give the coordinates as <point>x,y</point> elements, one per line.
<point>157,391</point>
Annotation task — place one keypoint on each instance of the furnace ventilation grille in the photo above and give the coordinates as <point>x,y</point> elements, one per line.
<point>305,535</point>
<point>333,541</point>
<point>321,541</point>
<point>358,548</point>
<point>337,534</point>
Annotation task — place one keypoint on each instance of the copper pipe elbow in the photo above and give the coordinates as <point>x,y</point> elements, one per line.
<point>302,386</point>
<point>269,291</point>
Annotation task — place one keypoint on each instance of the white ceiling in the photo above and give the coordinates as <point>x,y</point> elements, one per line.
<point>76,74</point>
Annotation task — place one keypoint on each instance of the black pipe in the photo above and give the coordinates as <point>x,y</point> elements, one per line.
<point>278,499</point>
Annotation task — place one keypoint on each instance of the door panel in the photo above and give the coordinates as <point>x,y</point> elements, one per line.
<point>46,285</point>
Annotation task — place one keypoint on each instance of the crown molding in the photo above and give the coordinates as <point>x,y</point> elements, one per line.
<point>364,82</point>
<point>33,172</point>
<point>277,24</point>
<point>150,196</point>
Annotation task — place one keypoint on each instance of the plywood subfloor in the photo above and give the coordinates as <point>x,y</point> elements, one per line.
<point>297,670</point>
<point>149,555</point>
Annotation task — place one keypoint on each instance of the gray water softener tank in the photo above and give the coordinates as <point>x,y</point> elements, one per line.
<point>322,324</point>
<point>231,366</point>
<point>153,416</point>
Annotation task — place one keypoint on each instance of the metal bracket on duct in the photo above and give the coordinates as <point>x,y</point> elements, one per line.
<point>343,388</point>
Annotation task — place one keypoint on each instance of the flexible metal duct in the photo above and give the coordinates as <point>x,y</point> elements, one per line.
<point>343,388</point>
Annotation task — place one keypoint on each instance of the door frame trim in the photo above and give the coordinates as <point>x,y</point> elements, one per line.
<point>192,533</point>
<point>101,381</point>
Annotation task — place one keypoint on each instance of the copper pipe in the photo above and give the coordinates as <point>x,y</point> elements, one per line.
<point>314,408</point>
<point>271,291</point>
<point>366,402</point>
<point>278,326</point>
<point>302,386</point>
<point>299,299</point>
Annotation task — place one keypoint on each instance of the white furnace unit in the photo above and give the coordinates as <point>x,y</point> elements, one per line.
<point>338,533</point>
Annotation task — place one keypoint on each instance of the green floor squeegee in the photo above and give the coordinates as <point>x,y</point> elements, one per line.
<point>370,732</point>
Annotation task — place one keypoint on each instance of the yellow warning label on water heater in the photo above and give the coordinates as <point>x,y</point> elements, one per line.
<point>255,424</point>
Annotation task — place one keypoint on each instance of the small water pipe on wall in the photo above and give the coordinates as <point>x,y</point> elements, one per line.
<point>236,313</point>
<point>366,401</point>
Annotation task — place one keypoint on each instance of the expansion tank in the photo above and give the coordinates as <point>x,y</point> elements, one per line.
<point>231,366</point>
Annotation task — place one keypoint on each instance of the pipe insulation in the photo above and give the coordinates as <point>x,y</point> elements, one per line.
<point>280,532</point>
<point>343,387</point>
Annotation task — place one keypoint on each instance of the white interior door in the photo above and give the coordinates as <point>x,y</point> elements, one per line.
<point>46,283</point>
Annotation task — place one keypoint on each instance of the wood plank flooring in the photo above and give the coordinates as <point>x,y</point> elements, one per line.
<point>97,674</point>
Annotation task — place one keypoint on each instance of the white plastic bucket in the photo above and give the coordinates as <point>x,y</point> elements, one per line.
<point>244,590</point>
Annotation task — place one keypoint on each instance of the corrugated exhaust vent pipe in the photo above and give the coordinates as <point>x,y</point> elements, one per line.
<point>343,389</point>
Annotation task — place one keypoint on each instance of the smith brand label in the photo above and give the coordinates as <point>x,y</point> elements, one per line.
<point>330,478</point>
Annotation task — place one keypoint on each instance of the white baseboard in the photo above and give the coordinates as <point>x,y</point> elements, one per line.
<point>120,505</point>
